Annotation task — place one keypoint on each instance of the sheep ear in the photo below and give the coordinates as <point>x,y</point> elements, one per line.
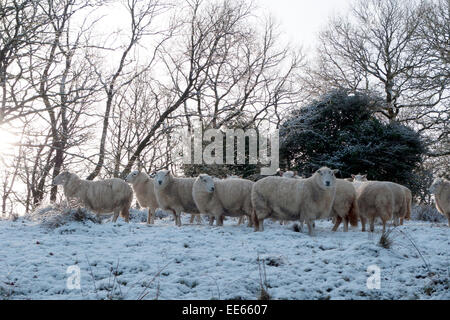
<point>364,176</point>
<point>335,171</point>
<point>353,176</point>
<point>280,173</point>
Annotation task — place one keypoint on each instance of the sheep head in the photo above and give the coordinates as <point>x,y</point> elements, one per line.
<point>162,178</point>
<point>359,177</point>
<point>207,182</point>
<point>62,178</point>
<point>132,177</point>
<point>436,185</point>
<point>325,177</point>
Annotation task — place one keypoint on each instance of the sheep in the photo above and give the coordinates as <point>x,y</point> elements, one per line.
<point>402,198</point>
<point>218,198</point>
<point>143,186</point>
<point>345,205</point>
<point>441,190</point>
<point>375,199</point>
<point>110,195</point>
<point>175,194</point>
<point>294,199</point>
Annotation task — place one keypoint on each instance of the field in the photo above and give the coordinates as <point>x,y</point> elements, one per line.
<point>138,261</point>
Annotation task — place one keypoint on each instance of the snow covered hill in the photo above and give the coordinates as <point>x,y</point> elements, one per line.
<point>133,261</point>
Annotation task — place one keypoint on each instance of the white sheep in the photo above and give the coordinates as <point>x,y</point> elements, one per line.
<point>401,200</point>
<point>143,186</point>
<point>441,190</point>
<point>294,199</point>
<point>219,198</point>
<point>345,205</point>
<point>175,194</point>
<point>110,195</point>
<point>375,199</point>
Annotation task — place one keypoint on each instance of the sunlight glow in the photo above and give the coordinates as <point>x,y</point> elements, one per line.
<point>8,141</point>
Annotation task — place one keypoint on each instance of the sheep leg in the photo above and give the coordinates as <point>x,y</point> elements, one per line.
<point>363,224</point>
<point>191,220</point>
<point>448,218</point>
<point>261,224</point>
<point>174,215</point>
<point>254,217</point>
<point>198,217</point>
<point>125,212</point>
<point>401,221</point>
<point>372,224</point>
<point>177,217</point>
<point>337,222</point>
<point>150,218</point>
<point>219,220</point>
<point>116,214</point>
<point>211,220</point>
<point>396,223</point>
<point>310,227</point>
<point>250,222</point>
<point>241,219</point>
<point>384,225</point>
<point>345,224</point>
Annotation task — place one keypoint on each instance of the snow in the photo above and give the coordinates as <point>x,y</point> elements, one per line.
<point>135,260</point>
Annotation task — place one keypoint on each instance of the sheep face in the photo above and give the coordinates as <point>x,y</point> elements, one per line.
<point>131,178</point>
<point>207,182</point>
<point>359,177</point>
<point>325,177</point>
<point>61,178</point>
<point>162,178</point>
<point>436,185</point>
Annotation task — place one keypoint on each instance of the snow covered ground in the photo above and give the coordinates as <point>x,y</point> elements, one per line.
<point>132,261</point>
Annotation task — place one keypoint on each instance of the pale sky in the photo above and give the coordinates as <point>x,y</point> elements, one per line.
<point>303,19</point>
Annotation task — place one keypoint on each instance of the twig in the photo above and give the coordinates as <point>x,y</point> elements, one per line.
<point>92,274</point>
<point>144,293</point>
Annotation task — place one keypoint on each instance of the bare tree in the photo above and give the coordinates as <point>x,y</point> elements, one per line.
<point>378,48</point>
<point>434,33</point>
<point>142,15</point>
<point>65,85</point>
<point>21,26</point>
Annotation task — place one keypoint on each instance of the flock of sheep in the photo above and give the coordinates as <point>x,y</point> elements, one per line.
<point>283,198</point>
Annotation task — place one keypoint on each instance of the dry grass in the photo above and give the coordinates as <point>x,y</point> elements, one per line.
<point>263,293</point>
<point>386,239</point>
<point>296,227</point>
<point>58,214</point>
<point>424,212</point>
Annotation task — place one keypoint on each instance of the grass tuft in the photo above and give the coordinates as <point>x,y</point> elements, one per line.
<point>263,292</point>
